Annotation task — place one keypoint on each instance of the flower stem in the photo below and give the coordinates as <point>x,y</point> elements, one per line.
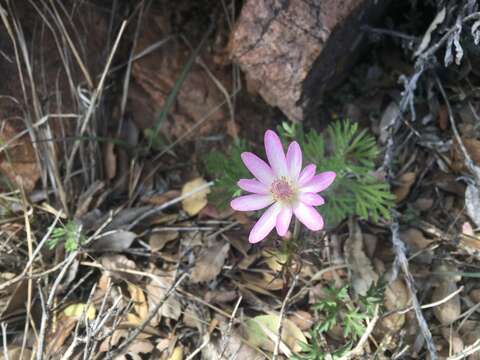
<point>296,231</point>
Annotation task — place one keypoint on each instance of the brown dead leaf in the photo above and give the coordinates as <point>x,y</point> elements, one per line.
<point>220,296</point>
<point>20,166</point>
<point>160,199</point>
<point>405,182</point>
<point>113,262</point>
<point>264,281</point>
<point>449,311</point>
<point>156,292</point>
<point>195,203</point>
<point>117,241</point>
<point>177,354</point>
<point>14,352</point>
<point>64,328</point>
<point>139,301</point>
<point>363,275</point>
<point>396,298</point>
<point>158,240</point>
<point>193,318</point>
<point>210,262</point>
<point>302,319</point>
<point>415,239</point>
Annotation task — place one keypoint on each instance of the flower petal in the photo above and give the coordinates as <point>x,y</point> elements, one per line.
<point>311,199</point>
<point>283,220</point>
<point>294,160</point>
<point>308,216</point>
<point>275,153</point>
<point>319,182</point>
<point>251,202</point>
<point>253,186</point>
<point>265,224</point>
<point>307,174</point>
<point>258,167</point>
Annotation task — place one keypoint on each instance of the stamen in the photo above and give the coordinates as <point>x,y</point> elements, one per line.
<point>282,189</point>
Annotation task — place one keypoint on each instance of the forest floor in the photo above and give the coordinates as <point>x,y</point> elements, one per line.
<point>112,245</point>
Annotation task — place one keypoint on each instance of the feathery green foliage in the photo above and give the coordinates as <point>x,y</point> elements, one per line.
<point>70,234</point>
<point>351,153</point>
<point>337,309</point>
<point>345,149</point>
<point>227,169</point>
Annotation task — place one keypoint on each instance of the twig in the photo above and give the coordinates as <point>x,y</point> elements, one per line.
<point>282,314</point>
<point>226,338</point>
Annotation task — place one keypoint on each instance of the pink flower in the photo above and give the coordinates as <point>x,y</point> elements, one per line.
<point>283,186</point>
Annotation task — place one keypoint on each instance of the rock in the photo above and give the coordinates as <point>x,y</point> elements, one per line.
<point>292,51</point>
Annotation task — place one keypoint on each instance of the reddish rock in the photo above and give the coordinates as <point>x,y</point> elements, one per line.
<point>292,50</point>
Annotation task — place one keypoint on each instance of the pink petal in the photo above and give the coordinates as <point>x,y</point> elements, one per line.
<point>265,224</point>
<point>319,182</point>
<point>275,154</point>
<point>311,199</point>
<point>253,186</point>
<point>258,167</point>
<point>251,202</point>
<point>307,174</point>
<point>283,220</point>
<point>308,216</point>
<point>294,160</point>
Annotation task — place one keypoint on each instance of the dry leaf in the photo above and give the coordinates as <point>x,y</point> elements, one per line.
<point>262,330</point>
<point>139,302</point>
<point>156,292</point>
<point>405,182</point>
<point>160,199</point>
<point>193,204</point>
<point>388,118</point>
<point>265,281</point>
<point>472,203</point>
<point>64,328</point>
<point>112,262</point>
<point>302,319</point>
<point>117,241</point>
<point>396,298</point>
<point>177,354</point>
<point>363,275</point>
<point>415,239</point>
<point>13,353</point>
<point>449,311</point>
<point>275,260</point>
<point>158,240</point>
<point>210,262</point>
<point>76,311</point>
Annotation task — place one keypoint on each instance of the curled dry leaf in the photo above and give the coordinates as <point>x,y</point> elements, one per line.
<point>232,347</point>
<point>158,240</point>
<point>195,203</point>
<point>396,298</point>
<point>115,266</point>
<point>76,311</point>
<point>264,281</point>
<point>156,292</point>
<point>261,331</point>
<point>415,239</point>
<point>302,319</point>
<point>210,262</point>
<point>449,311</point>
<point>140,304</point>
<point>472,203</point>
<point>405,182</point>
<point>363,275</point>
<point>117,241</point>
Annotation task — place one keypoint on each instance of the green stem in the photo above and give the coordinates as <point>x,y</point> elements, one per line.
<point>296,231</point>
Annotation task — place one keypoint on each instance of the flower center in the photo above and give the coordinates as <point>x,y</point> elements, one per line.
<point>282,189</point>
